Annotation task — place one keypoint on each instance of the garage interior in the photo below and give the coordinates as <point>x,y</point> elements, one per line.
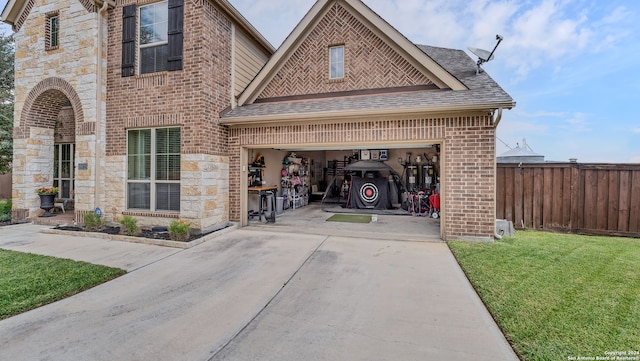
<point>399,187</point>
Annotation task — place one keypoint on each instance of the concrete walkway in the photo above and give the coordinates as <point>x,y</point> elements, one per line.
<point>257,295</point>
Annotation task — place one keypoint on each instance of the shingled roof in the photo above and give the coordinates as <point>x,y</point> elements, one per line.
<point>483,94</point>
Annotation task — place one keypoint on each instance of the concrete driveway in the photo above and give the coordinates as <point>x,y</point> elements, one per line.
<point>254,295</point>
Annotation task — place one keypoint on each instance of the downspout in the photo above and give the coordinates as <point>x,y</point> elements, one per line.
<point>495,124</point>
<point>99,83</point>
<point>498,118</point>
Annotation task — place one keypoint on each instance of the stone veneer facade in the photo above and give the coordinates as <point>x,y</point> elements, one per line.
<point>45,82</point>
<point>48,81</point>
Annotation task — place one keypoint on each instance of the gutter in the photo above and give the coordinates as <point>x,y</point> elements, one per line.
<point>353,114</point>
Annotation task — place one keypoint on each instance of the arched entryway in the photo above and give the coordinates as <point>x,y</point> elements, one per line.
<point>44,144</point>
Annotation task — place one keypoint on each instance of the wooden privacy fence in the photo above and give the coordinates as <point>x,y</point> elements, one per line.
<point>5,186</point>
<point>599,199</point>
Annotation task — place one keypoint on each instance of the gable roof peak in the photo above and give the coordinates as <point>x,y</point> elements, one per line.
<point>419,59</point>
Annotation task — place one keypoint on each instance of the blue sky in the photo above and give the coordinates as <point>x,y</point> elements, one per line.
<point>571,65</point>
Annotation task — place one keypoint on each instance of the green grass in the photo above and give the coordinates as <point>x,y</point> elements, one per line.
<point>557,296</point>
<point>351,218</point>
<point>28,281</point>
<point>5,210</point>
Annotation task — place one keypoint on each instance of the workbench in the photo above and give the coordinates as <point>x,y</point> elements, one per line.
<point>263,192</point>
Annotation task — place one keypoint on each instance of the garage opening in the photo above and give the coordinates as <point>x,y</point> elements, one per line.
<point>396,189</point>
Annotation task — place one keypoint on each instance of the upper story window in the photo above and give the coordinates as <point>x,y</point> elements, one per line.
<point>52,31</point>
<point>153,37</point>
<point>336,62</point>
<point>152,34</point>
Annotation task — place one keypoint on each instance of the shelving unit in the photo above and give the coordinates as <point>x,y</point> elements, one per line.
<point>295,181</point>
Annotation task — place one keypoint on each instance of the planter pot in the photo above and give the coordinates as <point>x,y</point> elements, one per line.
<point>46,203</point>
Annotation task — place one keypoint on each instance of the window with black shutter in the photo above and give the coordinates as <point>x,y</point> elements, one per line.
<point>176,15</point>
<point>152,37</point>
<point>128,40</point>
<point>159,37</point>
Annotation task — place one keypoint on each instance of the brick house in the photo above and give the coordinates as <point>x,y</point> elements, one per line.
<point>154,108</point>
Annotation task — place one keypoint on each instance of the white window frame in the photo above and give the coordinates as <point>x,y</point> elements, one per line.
<point>152,180</point>
<point>58,178</point>
<point>54,23</point>
<point>149,45</point>
<point>52,30</point>
<point>340,62</point>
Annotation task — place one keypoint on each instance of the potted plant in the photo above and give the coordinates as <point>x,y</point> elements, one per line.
<point>47,199</point>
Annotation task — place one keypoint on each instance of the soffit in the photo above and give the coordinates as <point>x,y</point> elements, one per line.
<point>12,11</point>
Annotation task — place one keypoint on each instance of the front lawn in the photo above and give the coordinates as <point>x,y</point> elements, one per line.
<point>559,296</point>
<point>28,281</point>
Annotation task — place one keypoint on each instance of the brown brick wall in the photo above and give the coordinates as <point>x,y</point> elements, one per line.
<point>191,98</point>
<point>370,63</point>
<point>470,189</point>
<point>469,149</point>
<point>65,130</point>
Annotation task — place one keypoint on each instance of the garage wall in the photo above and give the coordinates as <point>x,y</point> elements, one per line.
<point>471,173</point>
<point>468,156</point>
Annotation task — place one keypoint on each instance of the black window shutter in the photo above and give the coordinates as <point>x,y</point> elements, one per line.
<point>176,15</point>
<point>128,40</point>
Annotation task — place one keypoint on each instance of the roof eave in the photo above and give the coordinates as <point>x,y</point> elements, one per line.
<point>12,11</point>
<point>342,116</point>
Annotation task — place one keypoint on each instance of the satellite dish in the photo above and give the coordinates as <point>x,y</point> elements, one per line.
<point>484,55</point>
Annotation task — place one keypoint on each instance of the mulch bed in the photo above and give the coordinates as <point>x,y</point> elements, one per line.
<point>160,233</point>
<point>155,233</point>
<point>10,223</point>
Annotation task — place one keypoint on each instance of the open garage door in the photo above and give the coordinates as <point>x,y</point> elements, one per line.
<point>396,187</point>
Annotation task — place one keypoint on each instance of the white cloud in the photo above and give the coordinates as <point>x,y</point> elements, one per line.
<point>274,19</point>
<point>546,32</point>
<point>519,127</point>
<point>577,123</point>
<point>434,22</point>
<point>535,32</point>
<point>543,114</point>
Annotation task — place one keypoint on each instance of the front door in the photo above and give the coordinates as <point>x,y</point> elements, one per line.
<point>63,169</point>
